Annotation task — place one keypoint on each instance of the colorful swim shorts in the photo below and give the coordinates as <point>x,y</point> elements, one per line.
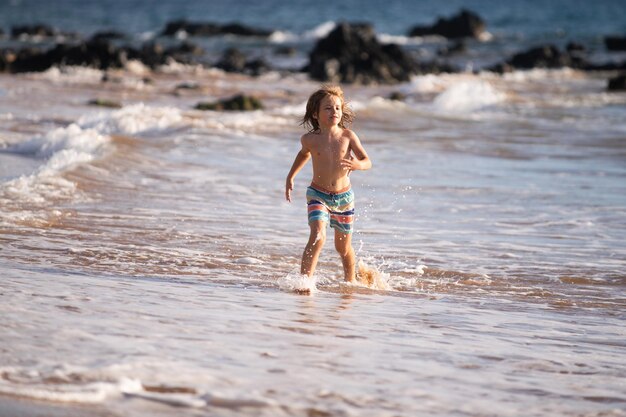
<point>334,208</point>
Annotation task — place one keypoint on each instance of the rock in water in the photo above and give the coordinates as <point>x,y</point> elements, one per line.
<point>239,102</point>
<point>617,83</point>
<point>466,24</point>
<point>352,54</point>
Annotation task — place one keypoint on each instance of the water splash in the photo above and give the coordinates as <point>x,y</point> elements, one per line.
<point>298,283</point>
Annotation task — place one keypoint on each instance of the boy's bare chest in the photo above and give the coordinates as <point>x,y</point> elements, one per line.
<point>332,148</point>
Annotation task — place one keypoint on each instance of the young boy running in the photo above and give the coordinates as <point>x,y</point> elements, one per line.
<point>336,151</point>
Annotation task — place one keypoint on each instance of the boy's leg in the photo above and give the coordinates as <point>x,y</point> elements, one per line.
<point>343,244</point>
<point>313,247</point>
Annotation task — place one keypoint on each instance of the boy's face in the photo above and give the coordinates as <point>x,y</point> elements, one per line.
<point>329,113</point>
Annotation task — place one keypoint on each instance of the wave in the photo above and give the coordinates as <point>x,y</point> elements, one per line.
<point>65,148</point>
<point>72,384</point>
<point>469,96</point>
<point>318,32</point>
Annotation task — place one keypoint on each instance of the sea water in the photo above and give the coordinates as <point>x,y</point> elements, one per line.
<point>150,265</point>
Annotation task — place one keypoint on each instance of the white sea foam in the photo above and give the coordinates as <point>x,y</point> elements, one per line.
<point>70,138</point>
<point>298,283</point>
<point>134,119</point>
<point>71,75</point>
<point>241,122</point>
<point>62,149</point>
<point>538,74</point>
<point>318,32</point>
<point>399,39</point>
<point>469,96</point>
<point>428,83</point>
<point>65,148</point>
<point>30,383</point>
<point>292,110</point>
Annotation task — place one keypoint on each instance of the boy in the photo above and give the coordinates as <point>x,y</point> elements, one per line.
<point>336,151</point>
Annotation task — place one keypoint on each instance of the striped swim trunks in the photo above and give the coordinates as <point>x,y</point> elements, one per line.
<point>334,208</point>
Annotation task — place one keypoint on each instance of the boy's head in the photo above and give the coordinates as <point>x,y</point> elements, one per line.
<point>310,119</point>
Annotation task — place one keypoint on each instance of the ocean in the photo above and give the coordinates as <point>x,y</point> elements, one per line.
<point>149,261</point>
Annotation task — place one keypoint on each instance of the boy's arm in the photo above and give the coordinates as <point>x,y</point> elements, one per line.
<point>362,161</point>
<point>301,160</point>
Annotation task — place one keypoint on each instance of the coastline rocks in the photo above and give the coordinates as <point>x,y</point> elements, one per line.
<point>100,102</point>
<point>234,60</point>
<point>239,102</point>
<point>466,24</point>
<point>212,29</point>
<point>352,54</point>
<point>107,36</point>
<point>97,53</point>
<point>615,43</point>
<point>545,56</point>
<point>617,83</point>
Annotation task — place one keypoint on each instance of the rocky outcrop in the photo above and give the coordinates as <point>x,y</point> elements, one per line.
<point>101,102</point>
<point>212,29</point>
<point>95,53</point>
<point>466,24</point>
<point>233,60</point>
<point>352,54</point>
<point>617,83</point>
<point>108,36</point>
<point>544,56</point>
<point>239,102</point>
<point>615,43</point>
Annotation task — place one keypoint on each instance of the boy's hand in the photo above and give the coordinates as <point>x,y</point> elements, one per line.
<point>288,189</point>
<point>350,163</point>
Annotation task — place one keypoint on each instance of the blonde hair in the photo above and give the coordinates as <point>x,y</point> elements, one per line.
<point>313,107</point>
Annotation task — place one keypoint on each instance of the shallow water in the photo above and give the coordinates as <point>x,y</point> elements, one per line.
<point>149,260</point>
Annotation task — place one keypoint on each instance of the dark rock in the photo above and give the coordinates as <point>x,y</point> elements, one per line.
<point>100,102</point>
<point>466,24</point>
<point>456,47</point>
<point>188,86</point>
<point>107,36</point>
<point>286,51</point>
<point>607,66</point>
<point>239,102</point>
<point>615,43</point>
<point>352,54</point>
<point>397,96</point>
<point>256,67</point>
<point>97,54</point>
<point>151,54</point>
<point>545,56</point>
<point>234,60</point>
<point>241,30</point>
<point>575,47</point>
<point>185,48</point>
<point>212,29</point>
<point>184,53</point>
<point>617,83</point>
